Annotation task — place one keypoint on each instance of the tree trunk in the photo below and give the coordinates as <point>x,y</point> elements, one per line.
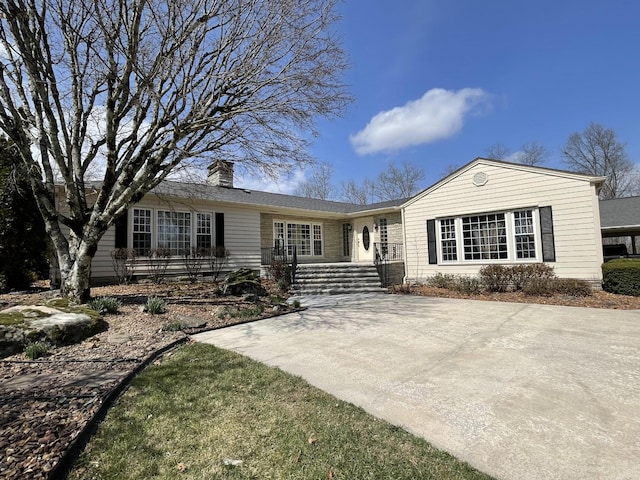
<point>75,272</point>
<point>76,281</point>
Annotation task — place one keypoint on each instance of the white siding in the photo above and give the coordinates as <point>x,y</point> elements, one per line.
<point>241,228</point>
<point>575,217</point>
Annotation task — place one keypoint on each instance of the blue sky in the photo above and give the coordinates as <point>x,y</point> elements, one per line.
<point>437,82</point>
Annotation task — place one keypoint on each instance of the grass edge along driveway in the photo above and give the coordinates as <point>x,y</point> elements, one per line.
<point>203,412</point>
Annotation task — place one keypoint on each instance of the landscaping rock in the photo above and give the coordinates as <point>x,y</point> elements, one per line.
<point>243,282</point>
<point>189,322</point>
<point>119,338</point>
<point>26,324</point>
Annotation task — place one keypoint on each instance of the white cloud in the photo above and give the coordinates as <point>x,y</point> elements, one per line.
<point>284,184</point>
<point>439,114</point>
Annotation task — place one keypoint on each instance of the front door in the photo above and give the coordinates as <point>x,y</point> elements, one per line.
<point>363,236</point>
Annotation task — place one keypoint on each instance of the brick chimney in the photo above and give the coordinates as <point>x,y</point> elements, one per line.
<point>221,174</point>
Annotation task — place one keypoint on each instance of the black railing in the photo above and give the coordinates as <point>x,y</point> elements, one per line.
<point>388,252</point>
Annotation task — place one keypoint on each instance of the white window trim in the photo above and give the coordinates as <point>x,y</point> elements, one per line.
<point>301,222</point>
<point>154,224</point>
<point>511,239</point>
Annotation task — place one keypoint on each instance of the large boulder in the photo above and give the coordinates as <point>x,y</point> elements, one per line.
<point>243,282</point>
<point>21,325</point>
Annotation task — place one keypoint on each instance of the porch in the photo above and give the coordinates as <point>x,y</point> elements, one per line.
<point>316,277</point>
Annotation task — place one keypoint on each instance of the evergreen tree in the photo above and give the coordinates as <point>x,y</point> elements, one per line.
<point>23,245</point>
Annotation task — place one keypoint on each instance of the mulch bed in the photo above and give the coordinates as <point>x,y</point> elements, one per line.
<point>45,404</point>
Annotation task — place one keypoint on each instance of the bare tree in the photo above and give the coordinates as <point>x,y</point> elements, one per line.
<point>319,185</point>
<point>498,151</point>
<point>597,151</point>
<point>531,153</point>
<point>142,87</point>
<point>358,194</point>
<point>449,169</point>
<point>399,181</point>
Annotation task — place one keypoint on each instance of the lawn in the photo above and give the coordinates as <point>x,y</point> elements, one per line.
<point>204,413</point>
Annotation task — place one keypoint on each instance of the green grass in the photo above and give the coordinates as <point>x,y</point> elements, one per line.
<point>183,417</point>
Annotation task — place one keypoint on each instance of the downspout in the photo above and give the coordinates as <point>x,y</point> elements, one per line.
<point>406,249</point>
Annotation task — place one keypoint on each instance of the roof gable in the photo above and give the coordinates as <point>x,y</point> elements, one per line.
<point>502,164</point>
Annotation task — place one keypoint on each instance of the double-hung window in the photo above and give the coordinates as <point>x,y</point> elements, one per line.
<point>203,230</point>
<point>141,231</point>
<point>523,230</point>
<point>448,240</point>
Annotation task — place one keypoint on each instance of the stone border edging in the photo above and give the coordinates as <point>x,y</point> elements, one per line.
<point>69,457</point>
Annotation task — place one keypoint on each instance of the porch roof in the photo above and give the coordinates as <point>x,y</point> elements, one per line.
<point>267,199</point>
<point>620,216</point>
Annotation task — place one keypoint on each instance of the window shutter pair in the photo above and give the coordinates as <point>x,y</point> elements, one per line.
<point>546,235</point>
<point>122,224</point>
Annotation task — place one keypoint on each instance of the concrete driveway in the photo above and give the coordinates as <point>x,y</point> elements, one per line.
<point>519,391</point>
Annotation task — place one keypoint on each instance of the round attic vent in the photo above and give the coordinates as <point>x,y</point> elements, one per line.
<point>480,178</point>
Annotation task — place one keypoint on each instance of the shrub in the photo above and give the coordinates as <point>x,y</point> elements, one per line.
<point>123,261</point>
<point>218,257</point>
<point>496,278</point>
<point>281,272</point>
<point>440,280</point>
<point>158,262</point>
<point>296,304</point>
<point>104,305</point>
<point>468,285</point>
<point>156,306</point>
<point>36,350</point>
<point>193,262</point>
<point>539,287</point>
<point>524,273</point>
<point>572,286</point>
<point>622,276</point>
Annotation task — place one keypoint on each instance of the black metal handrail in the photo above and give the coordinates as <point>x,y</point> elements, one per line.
<point>388,252</point>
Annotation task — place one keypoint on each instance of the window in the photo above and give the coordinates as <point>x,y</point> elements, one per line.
<point>299,234</point>
<point>490,236</point>
<point>525,239</point>
<point>384,236</point>
<point>305,237</point>
<point>203,230</point>
<point>141,231</point>
<point>346,239</point>
<point>448,239</point>
<point>485,237</point>
<point>174,231</point>
<point>317,240</point>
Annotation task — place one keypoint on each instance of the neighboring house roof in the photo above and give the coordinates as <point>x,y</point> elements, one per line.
<point>619,214</point>
<point>499,163</point>
<point>247,197</point>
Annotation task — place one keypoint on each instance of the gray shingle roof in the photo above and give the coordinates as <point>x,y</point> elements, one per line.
<point>620,212</point>
<point>264,199</point>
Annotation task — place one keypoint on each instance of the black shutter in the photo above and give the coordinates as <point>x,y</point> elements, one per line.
<point>219,229</point>
<point>546,230</point>
<point>121,225</point>
<point>432,243</point>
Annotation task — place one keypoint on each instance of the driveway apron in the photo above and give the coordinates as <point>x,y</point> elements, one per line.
<point>519,391</point>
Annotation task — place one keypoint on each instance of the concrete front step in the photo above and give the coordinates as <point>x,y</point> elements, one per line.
<point>336,279</point>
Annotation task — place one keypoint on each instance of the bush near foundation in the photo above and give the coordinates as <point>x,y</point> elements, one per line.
<point>622,276</point>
